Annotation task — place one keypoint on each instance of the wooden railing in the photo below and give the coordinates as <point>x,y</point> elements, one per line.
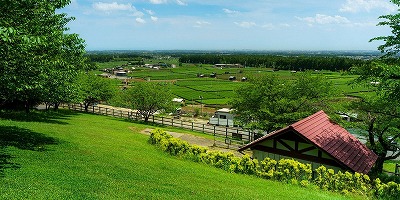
<point>229,135</point>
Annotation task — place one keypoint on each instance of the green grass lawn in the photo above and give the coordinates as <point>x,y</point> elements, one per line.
<point>69,155</point>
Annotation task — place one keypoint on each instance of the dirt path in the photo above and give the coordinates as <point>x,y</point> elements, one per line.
<point>192,139</point>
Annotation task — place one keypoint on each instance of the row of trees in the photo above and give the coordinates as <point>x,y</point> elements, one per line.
<point>297,63</point>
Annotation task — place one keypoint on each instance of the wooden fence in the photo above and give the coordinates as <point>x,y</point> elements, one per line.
<point>229,135</point>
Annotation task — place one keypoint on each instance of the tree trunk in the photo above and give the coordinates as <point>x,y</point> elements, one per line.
<point>86,105</point>
<point>378,167</point>
<point>56,105</point>
<point>27,106</point>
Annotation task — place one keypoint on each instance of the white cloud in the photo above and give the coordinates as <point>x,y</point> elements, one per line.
<point>268,26</point>
<point>200,24</point>
<point>150,12</point>
<point>325,19</point>
<point>367,5</point>
<point>153,18</point>
<point>114,6</point>
<point>246,24</point>
<point>231,12</point>
<point>181,3</point>
<point>158,1</point>
<point>140,20</point>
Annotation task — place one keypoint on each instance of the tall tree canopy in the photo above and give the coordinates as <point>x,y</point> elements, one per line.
<point>94,89</point>
<point>391,46</point>
<point>379,113</point>
<point>148,97</point>
<point>269,103</point>
<point>37,57</point>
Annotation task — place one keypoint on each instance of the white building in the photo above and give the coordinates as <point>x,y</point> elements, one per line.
<point>223,117</point>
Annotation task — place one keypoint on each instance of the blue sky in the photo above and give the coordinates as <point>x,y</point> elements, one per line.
<point>229,25</point>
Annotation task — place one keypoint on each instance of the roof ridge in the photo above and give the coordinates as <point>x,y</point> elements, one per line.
<point>317,114</point>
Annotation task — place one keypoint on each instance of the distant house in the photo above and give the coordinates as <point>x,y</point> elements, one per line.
<point>179,100</point>
<point>228,65</point>
<point>223,117</point>
<point>318,141</point>
<point>120,73</point>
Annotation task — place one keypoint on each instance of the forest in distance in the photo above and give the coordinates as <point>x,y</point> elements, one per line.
<point>280,60</point>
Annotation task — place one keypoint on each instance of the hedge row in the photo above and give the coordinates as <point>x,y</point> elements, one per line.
<point>285,170</point>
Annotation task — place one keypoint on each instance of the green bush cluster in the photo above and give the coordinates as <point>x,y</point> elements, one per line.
<point>285,170</point>
<point>345,182</point>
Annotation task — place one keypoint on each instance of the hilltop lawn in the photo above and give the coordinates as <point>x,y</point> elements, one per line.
<point>68,155</point>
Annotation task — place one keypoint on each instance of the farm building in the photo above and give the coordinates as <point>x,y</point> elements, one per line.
<point>228,65</point>
<point>179,100</point>
<point>223,116</point>
<point>120,73</point>
<point>315,140</point>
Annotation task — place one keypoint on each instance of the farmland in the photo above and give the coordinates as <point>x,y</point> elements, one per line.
<point>194,82</point>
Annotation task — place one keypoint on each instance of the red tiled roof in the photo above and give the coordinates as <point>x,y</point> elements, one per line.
<point>331,138</point>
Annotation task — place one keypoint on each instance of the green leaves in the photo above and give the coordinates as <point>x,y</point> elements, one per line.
<point>37,60</point>
<point>269,102</point>
<point>148,97</point>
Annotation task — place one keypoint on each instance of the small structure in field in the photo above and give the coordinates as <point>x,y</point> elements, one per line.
<point>228,65</point>
<point>223,117</point>
<point>179,100</point>
<point>232,78</point>
<point>315,140</point>
<point>120,73</point>
<point>244,78</point>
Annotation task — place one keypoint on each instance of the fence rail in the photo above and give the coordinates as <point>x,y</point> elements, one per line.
<point>230,135</point>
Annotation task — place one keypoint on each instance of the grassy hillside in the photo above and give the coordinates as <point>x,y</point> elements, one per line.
<point>70,155</point>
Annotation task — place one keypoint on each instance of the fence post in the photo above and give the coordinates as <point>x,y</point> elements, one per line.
<point>113,112</point>
<point>93,108</point>
<point>162,120</point>
<point>203,128</point>
<point>172,122</point>
<point>153,118</point>
<point>214,130</point>
<point>81,108</point>
<point>226,132</point>
<point>192,126</point>
<point>181,124</point>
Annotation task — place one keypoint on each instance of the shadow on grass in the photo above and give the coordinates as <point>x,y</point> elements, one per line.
<point>12,136</point>
<point>54,117</point>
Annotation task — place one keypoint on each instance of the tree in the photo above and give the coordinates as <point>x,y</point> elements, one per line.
<point>35,50</point>
<point>379,114</point>
<point>148,97</point>
<point>391,47</point>
<point>269,103</point>
<point>94,89</point>
<point>379,120</point>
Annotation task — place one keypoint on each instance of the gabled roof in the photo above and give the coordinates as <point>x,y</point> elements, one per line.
<point>331,138</point>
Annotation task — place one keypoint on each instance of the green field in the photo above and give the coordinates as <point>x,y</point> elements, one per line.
<point>69,155</point>
<point>219,90</point>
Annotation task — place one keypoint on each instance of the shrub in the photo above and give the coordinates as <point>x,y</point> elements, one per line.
<point>286,170</point>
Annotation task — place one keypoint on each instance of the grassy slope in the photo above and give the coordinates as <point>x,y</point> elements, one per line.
<point>82,156</point>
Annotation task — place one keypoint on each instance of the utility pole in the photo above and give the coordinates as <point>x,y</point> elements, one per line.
<point>201,104</point>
